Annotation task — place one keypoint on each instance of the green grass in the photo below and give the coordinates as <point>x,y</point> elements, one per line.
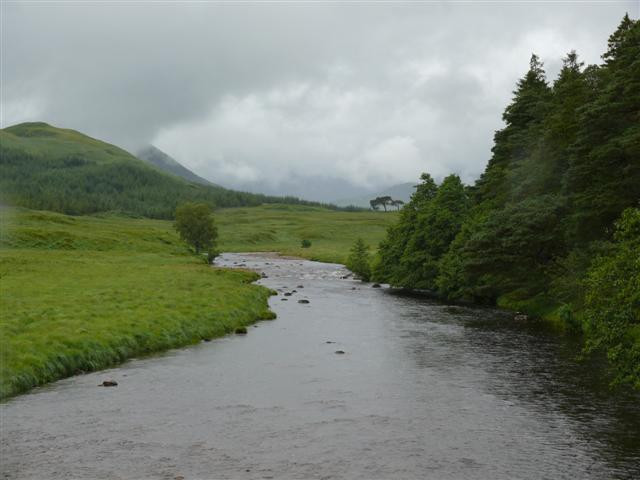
<point>84,293</point>
<point>281,228</point>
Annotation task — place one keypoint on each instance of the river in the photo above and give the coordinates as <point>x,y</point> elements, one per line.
<point>423,390</point>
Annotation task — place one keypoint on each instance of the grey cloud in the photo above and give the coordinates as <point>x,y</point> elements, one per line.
<point>312,99</point>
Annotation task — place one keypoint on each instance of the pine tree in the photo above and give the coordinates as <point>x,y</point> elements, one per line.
<point>513,143</point>
<point>603,177</point>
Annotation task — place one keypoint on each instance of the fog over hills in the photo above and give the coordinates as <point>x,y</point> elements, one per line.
<point>164,162</point>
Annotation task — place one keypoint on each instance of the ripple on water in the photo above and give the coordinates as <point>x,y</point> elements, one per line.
<point>425,391</point>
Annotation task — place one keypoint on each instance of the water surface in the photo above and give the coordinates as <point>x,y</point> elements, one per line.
<point>423,390</point>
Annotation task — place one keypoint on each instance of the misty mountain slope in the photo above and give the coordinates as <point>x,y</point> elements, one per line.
<point>49,168</point>
<point>402,191</point>
<point>164,162</point>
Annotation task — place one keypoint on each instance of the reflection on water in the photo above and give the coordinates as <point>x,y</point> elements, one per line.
<point>423,390</point>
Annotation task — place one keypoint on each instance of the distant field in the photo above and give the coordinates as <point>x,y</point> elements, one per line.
<point>281,228</point>
<point>82,293</point>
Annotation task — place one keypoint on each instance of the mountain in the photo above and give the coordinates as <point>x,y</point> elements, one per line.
<point>402,191</point>
<point>48,168</point>
<point>164,162</point>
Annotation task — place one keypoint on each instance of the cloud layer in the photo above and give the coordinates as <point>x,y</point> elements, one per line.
<point>322,100</point>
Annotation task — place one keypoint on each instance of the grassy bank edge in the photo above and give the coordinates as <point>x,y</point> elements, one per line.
<point>81,294</point>
<point>101,356</point>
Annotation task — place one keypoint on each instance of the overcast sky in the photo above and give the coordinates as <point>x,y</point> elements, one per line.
<point>319,99</point>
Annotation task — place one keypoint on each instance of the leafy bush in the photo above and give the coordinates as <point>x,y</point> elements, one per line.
<point>613,301</point>
<point>305,243</point>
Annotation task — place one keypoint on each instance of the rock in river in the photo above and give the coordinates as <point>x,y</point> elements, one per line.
<point>109,383</point>
<point>303,301</point>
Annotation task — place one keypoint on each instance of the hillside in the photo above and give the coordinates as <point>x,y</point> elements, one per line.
<point>49,168</point>
<point>166,163</point>
<point>402,191</point>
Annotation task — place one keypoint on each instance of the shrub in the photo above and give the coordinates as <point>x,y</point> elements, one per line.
<point>358,260</point>
<point>305,243</point>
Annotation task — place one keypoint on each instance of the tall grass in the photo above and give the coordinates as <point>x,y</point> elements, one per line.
<point>83,293</point>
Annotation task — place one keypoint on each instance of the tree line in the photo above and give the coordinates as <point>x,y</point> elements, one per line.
<point>552,226</point>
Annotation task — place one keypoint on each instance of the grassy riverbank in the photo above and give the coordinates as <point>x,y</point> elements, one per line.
<point>84,293</point>
<point>281,228</point>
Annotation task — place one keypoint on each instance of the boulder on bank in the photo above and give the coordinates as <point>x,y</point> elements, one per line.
<point>376,285</point>
<point>521,317</point>
<point>241,330</point>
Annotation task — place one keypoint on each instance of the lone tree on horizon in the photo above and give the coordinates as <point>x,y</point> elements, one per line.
<point>384,201</point>
<point>195,225</point>
<point>397,203</point>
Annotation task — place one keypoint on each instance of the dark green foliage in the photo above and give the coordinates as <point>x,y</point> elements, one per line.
<point>305,243</point>
<point>411,253</point>
<point>48,168</point>
<point>563,169</point>
<point>513,247</point>
<point>604,169</point>
<point>358,260</point>
<point>388,268</point>
<point>612,309</point>
<point>513,143</point>
<point>194,223</point>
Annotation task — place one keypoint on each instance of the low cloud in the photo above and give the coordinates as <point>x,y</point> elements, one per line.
<point>318,100</point>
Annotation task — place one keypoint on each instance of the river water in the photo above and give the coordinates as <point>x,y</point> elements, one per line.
<point>423,390</point>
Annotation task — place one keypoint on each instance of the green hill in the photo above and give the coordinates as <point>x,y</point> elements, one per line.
<point>49,168</point>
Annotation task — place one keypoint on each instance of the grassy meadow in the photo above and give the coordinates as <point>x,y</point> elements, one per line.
<point>281,228</point>
<point>84,293</point>
<point>81,293</point>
